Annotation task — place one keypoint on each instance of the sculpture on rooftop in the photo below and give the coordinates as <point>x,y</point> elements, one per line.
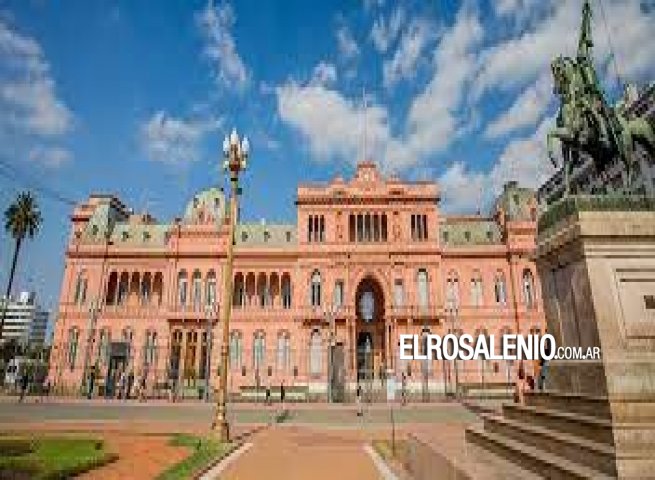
<point>586,123</point>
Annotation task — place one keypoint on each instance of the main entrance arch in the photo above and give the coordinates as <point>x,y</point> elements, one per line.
<point>370,329</point>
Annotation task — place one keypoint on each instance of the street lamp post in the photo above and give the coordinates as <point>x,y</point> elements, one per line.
<point>211,309</point>
<point>236,155</point>
<point>330,316</point>
<point>453,315</point>
<point>93,311</point>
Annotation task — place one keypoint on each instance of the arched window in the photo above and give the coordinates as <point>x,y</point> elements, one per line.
<point>182,288</point>
<point>80,288</point>
<point>315,354</point>
<point>145,289</point>
<point>158,288</point>
<point>316,289</point>
<point>452,290</point>
<point>500,288</point>
<point>528,288</point>
<point>367,306</point>
<point>283,352</point>
<point>102,355</point>
<point>351,227</point>
<point>150,349</point>
<point>422,287</point>
<point>197,291</point>
<point>236,350</point>
<point>262,289</point>
<point>128,335</point>
<point>73,340</point>
<point>286,291</point>
<point>122,288</point>
<point>210,295</point>
<point>112,286</point>
<point>476,289</point>
<point>259,350</point>
<point>239,299</point>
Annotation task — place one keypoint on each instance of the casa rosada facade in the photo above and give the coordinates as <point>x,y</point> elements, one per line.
<point>319,304</point>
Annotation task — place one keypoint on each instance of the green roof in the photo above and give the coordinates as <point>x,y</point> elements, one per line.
<point>264,235</point>
<point>462,232</point>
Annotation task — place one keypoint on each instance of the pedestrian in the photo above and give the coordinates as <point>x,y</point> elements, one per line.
<point>282,393</point>
<point>543,370</point>
<point>358,399</point>
<point>122,380</point>
<point>24,383</point>
<point>142,386</point>
<point>268,392</point>
<point>520,384</point>
<point>91,380</point>
<point>46,388</point>
<point>130,384</point>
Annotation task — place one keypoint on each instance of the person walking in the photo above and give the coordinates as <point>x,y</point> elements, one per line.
<point>358,399</point>
<point>520,384</point>
<point>142,386</point>
<point>24,383</point>
<point>122,381</point>
<point>92,381</point>
<point>282,393</point>
<point>268,392</point>
<point>130,384</point>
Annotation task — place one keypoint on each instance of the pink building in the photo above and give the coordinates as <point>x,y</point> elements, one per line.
<point>319,304</point>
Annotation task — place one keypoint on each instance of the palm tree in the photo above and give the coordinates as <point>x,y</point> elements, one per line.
<point>22,219</point>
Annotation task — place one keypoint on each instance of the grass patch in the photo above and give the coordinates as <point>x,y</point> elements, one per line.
<point>50,457</point>
<point>204,451</point>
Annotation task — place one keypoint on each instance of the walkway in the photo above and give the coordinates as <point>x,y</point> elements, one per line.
<point>303,453</point>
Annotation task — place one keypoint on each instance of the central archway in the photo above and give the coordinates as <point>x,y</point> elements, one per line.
<point>370,329</point>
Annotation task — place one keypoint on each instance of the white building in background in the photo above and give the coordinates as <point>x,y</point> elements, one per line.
<point>25,320</point>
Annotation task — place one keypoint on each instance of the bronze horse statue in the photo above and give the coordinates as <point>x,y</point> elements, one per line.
<point>585,121</point>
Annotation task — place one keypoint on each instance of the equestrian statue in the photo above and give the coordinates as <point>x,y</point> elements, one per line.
<point>586,123</point>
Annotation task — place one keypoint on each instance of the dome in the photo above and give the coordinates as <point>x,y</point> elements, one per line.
<point>206,206</point>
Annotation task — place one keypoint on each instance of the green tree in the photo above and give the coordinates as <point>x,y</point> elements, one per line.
<point>22,220</point>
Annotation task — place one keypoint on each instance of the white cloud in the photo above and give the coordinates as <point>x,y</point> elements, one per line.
<point>174,141</point>
<point>384,32</point>
<point>523,159</point>
<point>526,110</point>
<point>220,49</point>
<point>346,43</point>
<point>324,73</point>
<point>520,59</point>
<point>435,119</point>
<point>404,62</point>
<point>31,110</point>
<point>52,157</point>
<point>333,125</point>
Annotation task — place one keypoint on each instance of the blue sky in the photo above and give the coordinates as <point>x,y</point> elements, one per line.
<point>134,97</point>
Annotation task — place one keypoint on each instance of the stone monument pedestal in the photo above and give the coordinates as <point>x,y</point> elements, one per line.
<point>597,417</point>
<point>597,270</point>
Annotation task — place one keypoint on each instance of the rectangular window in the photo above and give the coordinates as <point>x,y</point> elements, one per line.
<point>338,294</point>
<point>422,280</point>
<point>398,293</point>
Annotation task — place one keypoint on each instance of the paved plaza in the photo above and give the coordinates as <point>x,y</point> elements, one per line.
<point>314,441</point>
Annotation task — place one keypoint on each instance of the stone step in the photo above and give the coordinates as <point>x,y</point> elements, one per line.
<point>545,464</point>
<point>570,402</point>
<point>598,456</point>
<point>592,428</point>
